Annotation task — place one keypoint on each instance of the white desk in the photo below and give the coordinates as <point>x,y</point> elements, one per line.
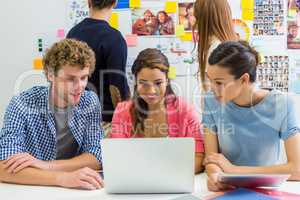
<point>17,192</point>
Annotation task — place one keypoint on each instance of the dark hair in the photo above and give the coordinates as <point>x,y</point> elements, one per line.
<point>152,59</point>
<point>100,4</point>
<point>238,56</point>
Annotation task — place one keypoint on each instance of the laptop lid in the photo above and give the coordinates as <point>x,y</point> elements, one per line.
<point>148,165</point>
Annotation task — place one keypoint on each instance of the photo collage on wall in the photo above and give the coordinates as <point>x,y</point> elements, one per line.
<point>293,24</point>
<point>268,18</point>
<point>273,73</point>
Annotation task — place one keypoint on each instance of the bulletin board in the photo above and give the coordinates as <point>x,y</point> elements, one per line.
<point>271,26</point>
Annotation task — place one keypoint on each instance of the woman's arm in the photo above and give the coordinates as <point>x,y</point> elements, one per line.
<point>213,170</point>
<point>198,162</point>
<point>292,148</point>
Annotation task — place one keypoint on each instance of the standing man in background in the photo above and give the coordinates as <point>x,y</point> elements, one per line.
<point>109,78</point>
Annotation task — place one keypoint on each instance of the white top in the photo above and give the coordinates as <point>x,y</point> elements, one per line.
<point>16,192</point>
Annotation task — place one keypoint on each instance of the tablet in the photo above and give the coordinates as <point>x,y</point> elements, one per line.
<point>253,180</point>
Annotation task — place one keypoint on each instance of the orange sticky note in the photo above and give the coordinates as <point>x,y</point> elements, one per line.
<point>187,37</point>
<point>38,63</point>
<point>134,3</point>
<point>248,15</point>
<point>171,7</point>
<point>131,40</point>
<point>114,20</point>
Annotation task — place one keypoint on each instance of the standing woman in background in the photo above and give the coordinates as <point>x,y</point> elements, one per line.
<point>214,26</point>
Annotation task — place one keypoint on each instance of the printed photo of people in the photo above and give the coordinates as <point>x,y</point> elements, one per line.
<point>273,73</point>
<point>147,22</point>
<point>186,15</point>
<point>293,24</point>
<point>268,17</point>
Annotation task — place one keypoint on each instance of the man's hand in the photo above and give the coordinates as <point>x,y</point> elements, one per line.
<point>221,161</point>
<point>19,161</point>
<point>84,178</point>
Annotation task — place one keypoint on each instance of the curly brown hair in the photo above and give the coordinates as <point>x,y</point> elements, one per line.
<point>69,52</point>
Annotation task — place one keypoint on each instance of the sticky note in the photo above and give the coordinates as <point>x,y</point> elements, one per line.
<point>114,20</point>
<point>248,14</point>
<point>131,40</point>
<point>187,37</point>
<point>172,72</point>
<point>38,63</point>
<point>171,7</point>
<point>179,30</point>
<point>60,33</point>
<point>262,58</point>
<point>247,4</point>
<point>134,3</point>
<point>122,4</point>
<point>292,12</point>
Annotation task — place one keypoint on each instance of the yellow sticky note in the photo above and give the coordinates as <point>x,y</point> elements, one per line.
<point>187,37</point>
<point>248,15</point>
<point>38,63</point>
<point>179,30</point>
<point>247,4</point>
<point>114,20</point>
<point>262,58</point>
<point>292,12</point>
<point>171,7</point>
<point>172,72</point>
<point>134,3</point>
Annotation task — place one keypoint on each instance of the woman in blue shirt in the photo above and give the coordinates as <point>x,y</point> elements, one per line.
<point>244,125</point>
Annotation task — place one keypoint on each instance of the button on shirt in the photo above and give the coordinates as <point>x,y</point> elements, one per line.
<point>29,125</point>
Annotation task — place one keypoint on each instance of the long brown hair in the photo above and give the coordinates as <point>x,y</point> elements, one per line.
<point>153,59</point>
<point>213,18</point>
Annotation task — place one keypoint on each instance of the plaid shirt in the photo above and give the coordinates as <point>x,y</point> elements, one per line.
<point>29,125</point>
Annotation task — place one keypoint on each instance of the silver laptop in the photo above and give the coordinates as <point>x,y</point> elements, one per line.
<point>148,165</point>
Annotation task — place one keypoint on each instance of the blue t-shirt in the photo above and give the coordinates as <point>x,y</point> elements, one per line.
<point>250,136</point>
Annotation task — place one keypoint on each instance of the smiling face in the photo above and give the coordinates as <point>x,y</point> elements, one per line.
<point>162,18</point>
<point>68,85</point>
<point>223,84</point>
<point>151,85</point>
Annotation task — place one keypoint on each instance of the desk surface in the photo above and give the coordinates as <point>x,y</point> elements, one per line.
<point>16,192</point>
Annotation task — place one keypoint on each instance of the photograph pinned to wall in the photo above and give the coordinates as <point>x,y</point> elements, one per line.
<point>186,15</point>
<point>268,18</point>
<point>77,10</point>
<point>273,73</point>
<point>152,22</point>
<point>242,29</point>
<point>293,24</point>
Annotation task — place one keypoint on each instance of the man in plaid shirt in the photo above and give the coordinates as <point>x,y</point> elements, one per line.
<point>51,135</point>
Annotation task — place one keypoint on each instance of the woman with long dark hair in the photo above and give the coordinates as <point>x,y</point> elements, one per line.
<point>154,110</point>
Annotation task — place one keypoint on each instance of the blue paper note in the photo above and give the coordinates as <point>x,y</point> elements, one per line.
<point>244,194</point>
<point>122,4</point>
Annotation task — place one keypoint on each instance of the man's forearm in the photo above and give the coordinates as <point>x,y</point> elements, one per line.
<point>83,160</point>
<point>30,176</point>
